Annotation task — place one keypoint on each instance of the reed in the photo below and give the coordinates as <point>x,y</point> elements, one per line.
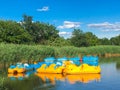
<point>3,81</point>
<point>16,53</point>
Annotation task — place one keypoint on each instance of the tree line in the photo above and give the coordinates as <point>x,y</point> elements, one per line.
<point>29,32</point>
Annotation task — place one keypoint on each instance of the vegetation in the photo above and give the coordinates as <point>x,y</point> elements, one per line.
<point>28,41</point>
<point>15,52</point>
<point>3,81</point>
<point>17,84</point>
<point>33,41</point>
<point>26,31</point>
<point>79,38</point>
<point>29,32</point>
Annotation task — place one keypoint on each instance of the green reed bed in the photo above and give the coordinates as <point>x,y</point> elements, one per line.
<point>3,81</point>
<point>15,53</point>
<point>26,53</point>
<point>17,84</point>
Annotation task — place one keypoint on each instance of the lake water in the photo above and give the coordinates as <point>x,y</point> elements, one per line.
<point>109,79</point>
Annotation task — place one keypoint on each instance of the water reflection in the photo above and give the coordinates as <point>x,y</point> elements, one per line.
<point>20,76</point>
<point>118,65</point>
<point>72,79</point>
<point>109,79</point>
<point>50,77</point>
<point>84,78</point>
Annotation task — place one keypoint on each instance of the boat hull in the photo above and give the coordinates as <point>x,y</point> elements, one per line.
<point>82,69</point>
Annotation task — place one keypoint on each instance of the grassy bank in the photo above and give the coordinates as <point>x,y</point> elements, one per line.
<point>3,81</point>
<point>15,53</point>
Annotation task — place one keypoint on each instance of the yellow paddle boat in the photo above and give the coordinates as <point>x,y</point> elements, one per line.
<point>53,68</point>
<point>16,70</point>
<point>84,68</point>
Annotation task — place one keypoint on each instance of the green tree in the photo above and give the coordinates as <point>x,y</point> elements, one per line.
<point>39,31</point>
<point>104,41</point>
<point>92,40</point>
<point>12,32</point>
<point>115,40</point>
<point>78,38</point>
<point>60,41</point>
<point>43,32</point>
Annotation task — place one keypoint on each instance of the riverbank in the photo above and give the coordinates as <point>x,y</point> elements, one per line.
<point>15,52</point>
<point>112,55</point>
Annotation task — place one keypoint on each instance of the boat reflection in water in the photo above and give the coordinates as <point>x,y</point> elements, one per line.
<point>19,76</point>
<point>84,78</point>
<point>51,77</point>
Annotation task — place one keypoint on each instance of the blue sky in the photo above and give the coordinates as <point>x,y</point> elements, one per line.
<point>101,17</point>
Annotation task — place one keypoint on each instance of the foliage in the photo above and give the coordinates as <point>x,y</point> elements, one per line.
<point>12,32</point>
<point>92,40</point>
<point>35,32</point>
<point>39,31</point>
<point>115,40</point>
<point>104,41</point>
<point>78,38</point>
<point>81,39</point>
<point>60,41</point>
<point>3,81</point>
<point>25,53</point>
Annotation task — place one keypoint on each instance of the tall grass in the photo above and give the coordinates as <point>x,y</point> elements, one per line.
<point>14,53</point>
<point>3,81</point>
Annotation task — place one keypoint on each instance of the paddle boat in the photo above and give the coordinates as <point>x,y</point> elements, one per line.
<point>50,59</point>
<point>91,60</point>
<point>38,65</point>
<point>71,66</point>
<point>20,68</point>
<point>62,59</point>
<point>82,69</point>
<point>47,61</point>
<point>75,60</point>
<point>56,67</point>
<point>53,68</point>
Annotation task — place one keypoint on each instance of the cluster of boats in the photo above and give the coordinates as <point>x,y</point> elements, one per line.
<point>64,65</point>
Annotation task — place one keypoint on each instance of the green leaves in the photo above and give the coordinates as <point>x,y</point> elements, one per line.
<point>12,32</point>
<point>79,39</point>
<point>39,31</point>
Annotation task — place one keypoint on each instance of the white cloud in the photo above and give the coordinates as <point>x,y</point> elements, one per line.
<point>69,24</point>
<point>65,34</point>
<point>45,8</point>
<point>106,26</point>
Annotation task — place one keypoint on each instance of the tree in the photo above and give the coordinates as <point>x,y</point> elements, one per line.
<point>78,38</point>
<point>43,32</point>
<point>92,40</point>
<point>39,31</point>
<point>12,32</point>
<point>115,40</point>
<point>104,41</point>
<point>60,41</point>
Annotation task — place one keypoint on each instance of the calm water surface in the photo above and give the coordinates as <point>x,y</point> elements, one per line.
<point>109,79</point>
